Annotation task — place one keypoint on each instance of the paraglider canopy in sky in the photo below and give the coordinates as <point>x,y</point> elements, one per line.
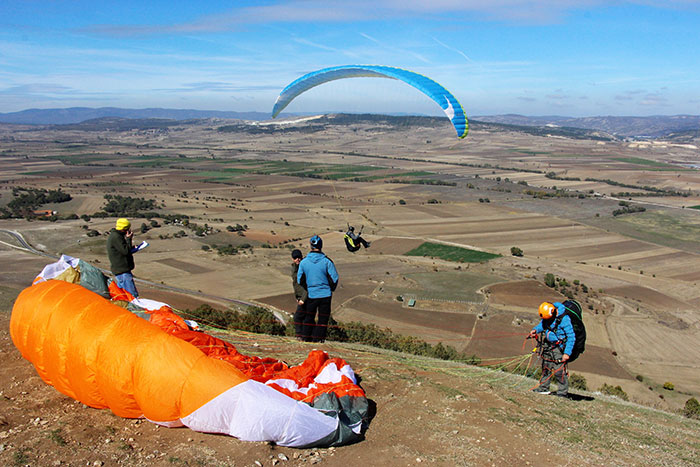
<point>447,101</point>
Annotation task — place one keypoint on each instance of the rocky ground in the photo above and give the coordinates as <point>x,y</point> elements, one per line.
<point>424,411</point>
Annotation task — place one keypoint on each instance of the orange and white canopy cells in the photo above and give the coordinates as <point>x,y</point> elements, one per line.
<point>107,357</point>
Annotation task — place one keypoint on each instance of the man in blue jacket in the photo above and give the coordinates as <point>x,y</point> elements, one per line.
<point>556,343</point>
<point>318,274</point>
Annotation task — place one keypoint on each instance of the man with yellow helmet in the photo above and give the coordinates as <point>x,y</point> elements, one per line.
<point>121,255</point>
<point>556,342</point>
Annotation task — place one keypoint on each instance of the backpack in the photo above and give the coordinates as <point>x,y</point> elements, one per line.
<point>575,312</point>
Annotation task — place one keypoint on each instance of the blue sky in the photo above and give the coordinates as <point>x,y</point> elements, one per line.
<point>550,57</point>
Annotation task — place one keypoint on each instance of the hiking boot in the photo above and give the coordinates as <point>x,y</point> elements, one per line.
<point>368,244</point>
<point>544,392</point>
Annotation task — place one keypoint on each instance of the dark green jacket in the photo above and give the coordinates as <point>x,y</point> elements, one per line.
<point>299,291</point>
<point>121,259</point>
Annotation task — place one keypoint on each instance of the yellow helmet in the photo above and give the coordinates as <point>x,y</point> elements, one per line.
<point>123,224</point>
<point>546,310</point>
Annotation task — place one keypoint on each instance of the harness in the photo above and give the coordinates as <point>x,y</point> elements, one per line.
<point>544,344</point>
<point>350,244</point>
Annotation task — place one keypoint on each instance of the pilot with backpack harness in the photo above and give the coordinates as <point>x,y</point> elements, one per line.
<point>354,241</point>
<point>557,343</point>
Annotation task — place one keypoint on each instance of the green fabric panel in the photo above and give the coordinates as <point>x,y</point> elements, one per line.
<point>350,411</point>
<point>92,279</point>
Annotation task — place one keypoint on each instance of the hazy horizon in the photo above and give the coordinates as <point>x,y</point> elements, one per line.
<point>438,114</point>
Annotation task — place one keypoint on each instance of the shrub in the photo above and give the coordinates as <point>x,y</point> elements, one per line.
<point>639,378</point>
<point>578,381</point>
<point>254,319</point>
<point>402,202</point>
<point>127,206</point>
<point>692,408</point>
<point>370,334</point>
<point>226,249</point>
<point>616,391</point>
<point>669,386</point>
<point>515,251</point>
<point>209,316</point>
<point>549,279</point>
<point>57,437</point>
<point>258,319</point>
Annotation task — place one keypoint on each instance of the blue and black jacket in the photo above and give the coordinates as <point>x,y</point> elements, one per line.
<point>318,273</point>
<point>558,331</point>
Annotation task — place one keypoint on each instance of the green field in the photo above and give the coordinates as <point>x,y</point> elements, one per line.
<point>652,165</point>
<point>573,156</point>
<point>233,167</point>
<point>451,253</point>
<point>79,159</point>
<point>446,285</point>
<point>529,152</point>
<point>664,225</point>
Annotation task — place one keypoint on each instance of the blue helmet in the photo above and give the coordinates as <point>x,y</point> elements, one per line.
<point>316,242</point>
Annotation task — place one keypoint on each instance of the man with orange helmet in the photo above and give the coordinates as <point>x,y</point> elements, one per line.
<point>556,341</point>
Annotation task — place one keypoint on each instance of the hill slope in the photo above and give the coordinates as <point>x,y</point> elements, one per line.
<point>656,126</point>
<point>425,410</point>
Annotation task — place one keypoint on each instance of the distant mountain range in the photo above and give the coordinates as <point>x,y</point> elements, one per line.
<point>81,114</point>
<point>678,127</point>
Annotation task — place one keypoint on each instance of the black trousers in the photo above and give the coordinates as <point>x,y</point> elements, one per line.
<point>299,317</point>
<point>315,330</point>
<point>361,241</point>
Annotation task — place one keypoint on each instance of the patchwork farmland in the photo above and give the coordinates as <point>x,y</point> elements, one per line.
<point>636,274</point>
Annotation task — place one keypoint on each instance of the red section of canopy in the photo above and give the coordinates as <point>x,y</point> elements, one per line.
<point>257,368</point>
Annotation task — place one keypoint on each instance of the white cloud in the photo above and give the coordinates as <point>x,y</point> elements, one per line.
<point>337,11</point>
<point>396,50</point>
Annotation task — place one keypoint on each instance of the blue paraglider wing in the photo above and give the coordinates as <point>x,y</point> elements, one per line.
<point>448,102</point>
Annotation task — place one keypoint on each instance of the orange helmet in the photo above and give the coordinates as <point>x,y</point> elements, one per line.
<point>546,310</point>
